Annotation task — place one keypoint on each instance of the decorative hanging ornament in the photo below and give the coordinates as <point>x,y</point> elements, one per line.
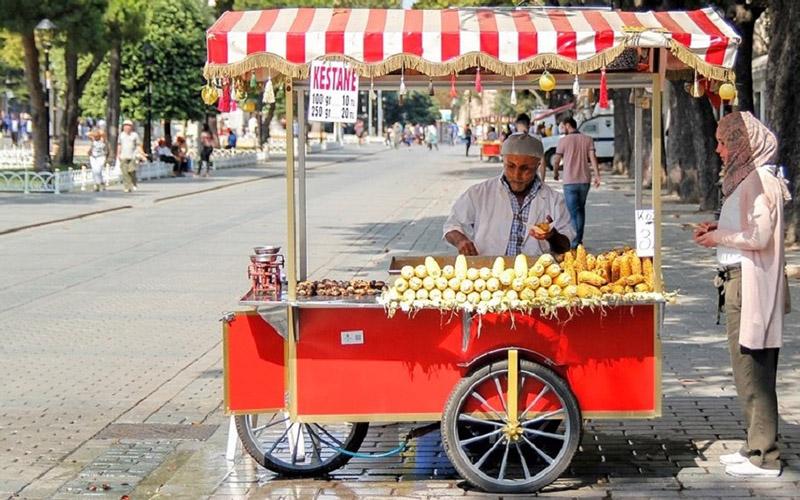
<point>402,92</point>
<point>224,104</point>
<point>478,85</point>
<point>253,81</point>
<point>372,95</point>
<point>603,100</point>
<point>453,91</point>
<point>269,91</point>
<point>249,105</point>
<point>547,82</point>
<point>513,99</point>
<point>239,91</point>
<point>576,86</point>
<point>697,89</point>
<point>430,87</point>
<point>727,91</point>
<point>209,94</point>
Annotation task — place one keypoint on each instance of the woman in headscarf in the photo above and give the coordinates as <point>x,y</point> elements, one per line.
<point>749,242</point>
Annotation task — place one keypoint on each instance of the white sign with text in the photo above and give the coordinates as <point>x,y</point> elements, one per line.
<point>334,92</point>
<point>645,233</point>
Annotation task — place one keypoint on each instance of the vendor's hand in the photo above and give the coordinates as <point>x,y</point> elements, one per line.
<point>539,234</point>
<point>705,239</point>
<point>466,247</point>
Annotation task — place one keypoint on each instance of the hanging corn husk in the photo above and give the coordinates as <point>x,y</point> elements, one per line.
<point>576,86</point>
<point>269,91</point>
<point>513,99</point>
<point>372,94</point>
<point>430,87</point>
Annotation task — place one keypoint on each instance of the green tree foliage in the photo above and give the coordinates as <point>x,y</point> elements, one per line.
<point>417,107</point>
<point>176,72</point>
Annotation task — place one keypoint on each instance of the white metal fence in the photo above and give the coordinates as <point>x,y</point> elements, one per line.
<point>28,181</point>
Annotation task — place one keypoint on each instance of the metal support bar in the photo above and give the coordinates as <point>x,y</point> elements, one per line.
<point>637,147</point>
<point>513,386</point>
<point>655,169</point>
<point>380,113</point>
<point>291,229</point>
<point>302,269</point>
<point>370,129</point>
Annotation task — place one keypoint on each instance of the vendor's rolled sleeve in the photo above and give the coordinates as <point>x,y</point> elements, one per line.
<point>462,216</point>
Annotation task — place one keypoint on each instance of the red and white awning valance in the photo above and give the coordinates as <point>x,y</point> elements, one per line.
<point>510,42</point>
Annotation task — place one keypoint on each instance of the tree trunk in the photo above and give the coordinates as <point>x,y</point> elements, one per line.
<point>168,131</point>
<point>744,16</point>
<point>69,116</point>
<point>41,146</point>
<point>783,106</point>
<point>623,125</point>
<point>113,104</point>
<point>265,125</point>
<point>692,162</point>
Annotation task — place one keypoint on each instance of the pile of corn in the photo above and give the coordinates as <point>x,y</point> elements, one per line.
<point>578,279</point>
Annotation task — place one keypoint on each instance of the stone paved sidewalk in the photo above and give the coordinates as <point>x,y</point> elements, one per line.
<point>362,213</point>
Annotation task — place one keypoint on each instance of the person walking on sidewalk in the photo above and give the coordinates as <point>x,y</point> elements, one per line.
<point>97,157</point>
<point>129,150</point>
<point>577,152</point>
<point>206,148</point>
<point>467,138</point>
<point>749,240</point>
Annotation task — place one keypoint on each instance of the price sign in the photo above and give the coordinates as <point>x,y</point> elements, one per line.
<point>334,92</point>
<point>645,233</point>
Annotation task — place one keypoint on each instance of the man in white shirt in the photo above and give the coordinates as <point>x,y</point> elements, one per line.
<point>498,216</point>
<point>128,150</point>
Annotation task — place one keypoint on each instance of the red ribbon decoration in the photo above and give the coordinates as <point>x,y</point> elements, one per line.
<point>478,86</point>
<point>453,91</point>
<point>224,104</point>
<point>603,101</point>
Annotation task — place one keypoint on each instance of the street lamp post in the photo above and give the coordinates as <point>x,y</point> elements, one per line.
<point>147,48</point>
<point>45,31</point>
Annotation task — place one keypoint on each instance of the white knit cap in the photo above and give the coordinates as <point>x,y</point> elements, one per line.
<point>522,144</point>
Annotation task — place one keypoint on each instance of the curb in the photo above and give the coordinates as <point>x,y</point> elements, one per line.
<point>65,219</point>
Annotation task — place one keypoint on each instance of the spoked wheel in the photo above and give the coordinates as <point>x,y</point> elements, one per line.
<point>499,453</point>
<point>293,449</point>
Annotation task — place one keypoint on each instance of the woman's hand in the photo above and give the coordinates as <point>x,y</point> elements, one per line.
<point>705,227</point>
<point>705,238</point>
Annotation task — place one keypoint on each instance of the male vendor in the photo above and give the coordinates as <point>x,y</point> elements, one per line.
<point>499,215</point>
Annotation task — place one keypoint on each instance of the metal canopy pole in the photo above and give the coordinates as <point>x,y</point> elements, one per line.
<point>380,113</point>
<point>291,227</point>
<point>637,147</point>
<point>655,169</point>
<point>302,270</point>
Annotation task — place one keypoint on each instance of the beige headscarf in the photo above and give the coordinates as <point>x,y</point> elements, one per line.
<point>750,144</point>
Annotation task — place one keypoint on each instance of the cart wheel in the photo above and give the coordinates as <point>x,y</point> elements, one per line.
<point>294,449</point>
<point>501,456</point>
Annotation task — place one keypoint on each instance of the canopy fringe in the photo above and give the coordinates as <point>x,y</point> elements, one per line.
<point>540,62</point>
<point>409,61</point>
<point>688,58</point>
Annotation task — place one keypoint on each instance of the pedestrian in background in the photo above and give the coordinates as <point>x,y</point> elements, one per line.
<point>206,148</point>
<point>467,138</point>
<point>749,240</point>
<point>129,150</point>
<point>432,137</point>
<point>97,157</point>
<point>577,152</point>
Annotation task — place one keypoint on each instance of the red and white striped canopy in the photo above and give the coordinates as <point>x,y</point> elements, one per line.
<point>438,42</point>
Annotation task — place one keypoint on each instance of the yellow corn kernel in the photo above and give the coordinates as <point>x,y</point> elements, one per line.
<point>553,270</point>
<point>590,278</point>
<point>591,260</point>
<point>642,287</point>
<point>563,280</point>
<point>634,279</point>
<point>624,266</point>
<point>586,290</point>
<point>580,258</point>
<point>636,263</point>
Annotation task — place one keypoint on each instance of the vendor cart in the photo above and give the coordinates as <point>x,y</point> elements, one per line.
<point>490,150</point>
<point>305,376</point>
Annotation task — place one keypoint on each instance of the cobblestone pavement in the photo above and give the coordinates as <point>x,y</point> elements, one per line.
<point>111,358</point>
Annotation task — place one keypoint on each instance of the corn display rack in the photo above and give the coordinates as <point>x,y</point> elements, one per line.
<point>509,379</point>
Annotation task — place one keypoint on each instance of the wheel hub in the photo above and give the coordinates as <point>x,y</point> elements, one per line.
<point>513,431</point>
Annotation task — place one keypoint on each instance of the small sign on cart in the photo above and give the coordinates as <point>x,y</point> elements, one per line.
<point>645,233</point>
<point>334,92</point>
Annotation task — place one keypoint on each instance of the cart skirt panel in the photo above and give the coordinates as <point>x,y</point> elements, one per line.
<point>406,367</point>
<point>254,365</point>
